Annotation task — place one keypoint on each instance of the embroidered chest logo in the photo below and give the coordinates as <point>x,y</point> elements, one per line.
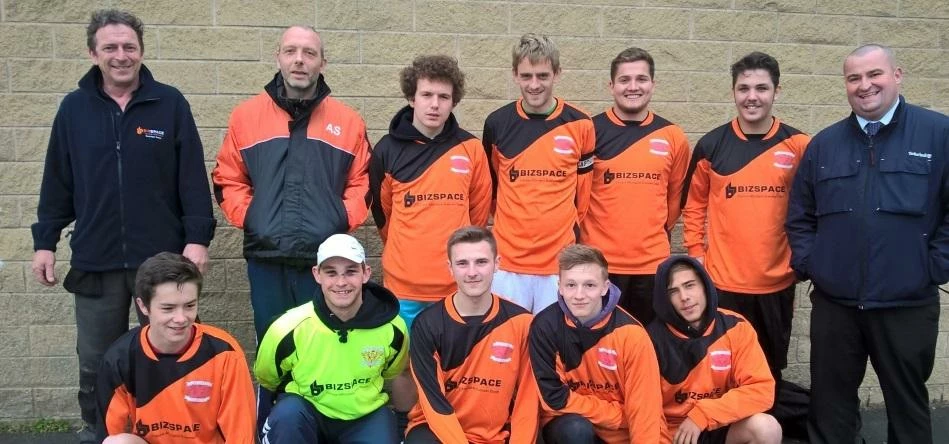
<point>198,391</point>
<point>150,133</point>
<point>502,352</point>
<point>784,159</point>
<point>564,144</point>
<point>372,356</point>
<point>606,358</point>
<point>720,360</point>
<point>659,147</point>
<point>460,164</point>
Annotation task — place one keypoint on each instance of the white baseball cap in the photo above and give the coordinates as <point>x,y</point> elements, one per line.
<point>341,245</point>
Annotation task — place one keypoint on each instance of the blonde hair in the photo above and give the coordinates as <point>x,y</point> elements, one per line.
<point>536,48</point>
<point>579,254</point>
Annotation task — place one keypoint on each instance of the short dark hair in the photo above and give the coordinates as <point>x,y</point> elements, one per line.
<point>162,268</point>
<point>677,267</point>
<point>471,235</point>
<point>756,60</point>
<point>579,254</point>
<point>630,55</point>
<point>105,17</point>
<point>433,67</point>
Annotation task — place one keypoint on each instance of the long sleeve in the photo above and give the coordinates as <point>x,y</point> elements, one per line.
<point>695,204</point>
<point>115,412</point>
<point>585,170</point>
<point>276,356</point>
<point>356,194</point>
<point>939,245</point>
<point>233,188</point>
<point>400,342</point>
<point>801,222</point>
<point>643,393</point>
<point>556,396</point>
<point>524,417</point>
<point>380,188</point>
<point>490,152</point>
<point>479,194</point>
<point>55,209</point>
<point>753,390</point>
<point>430,380</point>
<point>236,419</point>
<point>193,190</point>
<point>681,154</point>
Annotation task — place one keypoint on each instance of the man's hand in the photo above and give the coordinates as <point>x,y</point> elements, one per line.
<point>44,263</point>
<point>197,253</point>
<point>688,433</point>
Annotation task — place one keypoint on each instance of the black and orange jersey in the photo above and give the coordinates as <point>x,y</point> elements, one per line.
<point>740,184</point>
<point>469,370</point>
<point>423,190</point>
<point>540,167</point>
<point>605,372</point>
<point>716,374</point>
<point>638,171</point>
<point>203,395</point>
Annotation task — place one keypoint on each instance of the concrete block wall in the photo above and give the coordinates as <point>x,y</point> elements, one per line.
<point>219,52</point>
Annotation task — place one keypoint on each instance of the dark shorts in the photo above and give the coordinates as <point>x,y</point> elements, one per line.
<point>770,314</point>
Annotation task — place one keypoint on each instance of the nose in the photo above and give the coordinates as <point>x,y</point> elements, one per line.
<point>179,317</point>
<point>864,83</point>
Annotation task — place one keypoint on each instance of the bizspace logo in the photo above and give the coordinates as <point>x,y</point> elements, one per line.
<point>150,133</point>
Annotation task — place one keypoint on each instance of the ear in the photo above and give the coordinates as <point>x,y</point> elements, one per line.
<point>898,75</point>
<point>316,273</point>
<point>777,92</point>
<point>366,273</point>
<point>141,306</point>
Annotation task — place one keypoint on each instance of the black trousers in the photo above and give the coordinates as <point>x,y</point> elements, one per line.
<point>770,314</point>
<point>901,345</point>
<point>102,300</point>
<point>636,295</point>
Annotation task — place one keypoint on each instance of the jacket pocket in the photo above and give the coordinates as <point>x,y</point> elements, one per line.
<point>835,189</point>
<point>904,184</point>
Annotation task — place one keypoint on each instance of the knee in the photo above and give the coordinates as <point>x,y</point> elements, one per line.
<point>124,438</point>
<point>290,412</point>
<point>573,428</point>
<point>761,428</point>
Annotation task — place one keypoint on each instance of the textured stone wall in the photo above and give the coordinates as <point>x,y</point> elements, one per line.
<point>219,52</point>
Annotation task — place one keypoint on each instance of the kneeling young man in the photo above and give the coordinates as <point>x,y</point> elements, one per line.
<point>594,365</point>
<point>173,380</point>
<point>469,356</point>
<point>327,359</point>
<point>715,379</point>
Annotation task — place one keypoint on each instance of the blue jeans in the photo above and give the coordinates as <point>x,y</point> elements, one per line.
<point>294,420</point>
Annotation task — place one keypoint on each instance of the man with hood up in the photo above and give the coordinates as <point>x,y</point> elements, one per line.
<point>593,363</point>
<point>327,359</point>
<point>716,383</point>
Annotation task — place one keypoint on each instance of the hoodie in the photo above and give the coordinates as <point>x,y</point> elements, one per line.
<point>337,366</point>
<point>423,190</point>
<point>714,375</point>
<point>604,370</point>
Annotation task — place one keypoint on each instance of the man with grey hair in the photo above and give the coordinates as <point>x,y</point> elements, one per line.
<point>292,171</point>
<point>125,163</point>
<point>868,224</point>
<point>540,149</point>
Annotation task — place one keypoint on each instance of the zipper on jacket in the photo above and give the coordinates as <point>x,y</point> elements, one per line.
<point>867,208</point>
<point>118,158</point>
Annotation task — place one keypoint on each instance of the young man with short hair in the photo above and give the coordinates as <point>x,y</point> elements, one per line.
<point>595,367</point>
<point>739,180</point>
<point>428,177</point>
<point>327,359</point>
<point>469,356</point>
<point>716,384</point>
<point>174,380</point>
<point>640,160</point>
<point>541,151</point>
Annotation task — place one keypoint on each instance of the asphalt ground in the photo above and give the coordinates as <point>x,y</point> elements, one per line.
<point>874,431</point>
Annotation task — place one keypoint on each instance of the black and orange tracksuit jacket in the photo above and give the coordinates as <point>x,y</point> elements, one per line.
<point>638,171</point>
<point>203,395</point>
<point>292,172</point>
<point>540,167</point>
<point>423,190</point>
<point>473,374</point>
<point>716,374</point>
<point>605,371</point>
<point>740,184</point>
